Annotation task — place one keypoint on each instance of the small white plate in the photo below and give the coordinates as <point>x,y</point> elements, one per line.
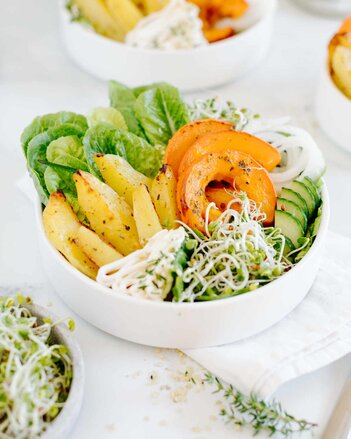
<point>192,69</point>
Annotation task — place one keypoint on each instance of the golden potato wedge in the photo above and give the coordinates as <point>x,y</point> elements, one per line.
<point>97,13</point>
<point>340,61</point>
<point>120,175</point>
<point>140,5</point>
<point>99,251</point>
<point>125,14</point>
<point>61,226</point>
<point>163,194</point>
<point>109,214</point>
<point>151,6</point>
<point>145,215</point>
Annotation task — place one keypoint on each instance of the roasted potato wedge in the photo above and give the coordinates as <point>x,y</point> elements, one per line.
<point>125,14</point>
<point>151,6</point>
<point>120,175</point>
<point>99,251</point>
<point>145,215</point>
<point>97,13</point>
<point>163,194</point>
<point>340,61</point>
<point>61,227</point>
<point>109,214</point>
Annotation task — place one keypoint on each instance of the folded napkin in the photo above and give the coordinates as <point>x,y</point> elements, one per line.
<point>315,334</point>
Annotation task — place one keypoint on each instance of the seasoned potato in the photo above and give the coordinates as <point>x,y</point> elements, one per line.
<point>125,14</point>
<point>120,175</point>
<point>108,213</point>
<point>113,18</point>
<point>163,194</point>
<point>95,248</point>
<point>151,6</point>
<point>61,227</point>
<point>96,12</point>
<point>340,61</point>
<point>146,218</point>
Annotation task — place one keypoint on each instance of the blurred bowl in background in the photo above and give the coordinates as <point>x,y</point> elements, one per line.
<point>333,111</point>
<point>192,69</point>
<point>334,8</point>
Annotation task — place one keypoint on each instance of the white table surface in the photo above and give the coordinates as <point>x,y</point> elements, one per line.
<point>36,76</point>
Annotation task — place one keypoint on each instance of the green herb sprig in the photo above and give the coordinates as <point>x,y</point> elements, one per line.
<point>261,416</point>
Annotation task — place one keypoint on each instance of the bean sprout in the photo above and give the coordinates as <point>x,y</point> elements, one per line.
<point>237,254</point>
<point>35,376</point>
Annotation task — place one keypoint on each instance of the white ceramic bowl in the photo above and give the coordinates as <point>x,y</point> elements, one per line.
<point>182,325</point>
<point>63,424</point>
<point>333,111</point>
<point>198,68</point>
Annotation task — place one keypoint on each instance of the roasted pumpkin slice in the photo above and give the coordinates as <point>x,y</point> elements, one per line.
<point>236,167</point>
<point>187,135</point>
<point>268,156</point>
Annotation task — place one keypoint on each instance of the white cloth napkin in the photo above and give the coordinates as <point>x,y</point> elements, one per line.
<point>315,334</point>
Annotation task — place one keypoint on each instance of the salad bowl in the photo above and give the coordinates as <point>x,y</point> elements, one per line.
<point>182,325</point>
<point>216,63</point>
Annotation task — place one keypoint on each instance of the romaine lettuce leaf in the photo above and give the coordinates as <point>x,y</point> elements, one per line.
<point>144,157</point>
<point>36,154</point>
<point>100,139</point>
<point>43,123</point>
<point>123,99</point>
<point>161,112</point>
<point>138,90</point>
<point>105,139</point>
<point>59,178</point>
<point>67,151</point>
<point>108,115</point>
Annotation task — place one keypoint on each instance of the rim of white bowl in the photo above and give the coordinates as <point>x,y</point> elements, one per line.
<point>69,413</point>
<point>91,32</point>
<point>187,305</point>
<point>346,99</point>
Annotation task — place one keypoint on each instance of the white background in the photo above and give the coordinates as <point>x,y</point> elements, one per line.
<point>36,76</point>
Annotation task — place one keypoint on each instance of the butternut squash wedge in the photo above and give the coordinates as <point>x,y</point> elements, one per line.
<point>268,156</point>
<point>240,169</point>
<point>346,26</point>
<point>221,196</point>
<point>186,136</point>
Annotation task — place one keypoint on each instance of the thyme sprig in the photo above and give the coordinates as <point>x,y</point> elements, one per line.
<point>261,416</point>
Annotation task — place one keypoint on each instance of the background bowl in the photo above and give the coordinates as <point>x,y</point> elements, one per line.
<point>191,69</point>
<point>63,424</point>
<point>182,325</point>
<point>333,111</point>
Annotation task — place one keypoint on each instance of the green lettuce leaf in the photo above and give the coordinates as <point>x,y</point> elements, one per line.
<point>144,157</point>
<point>67,151</point>
<point>161,112</point>
<point>122,98</point>
<point>103,138</point>
<point>138,90</point>
<point>36,154</point>
<point>108,115</point>
<point>43,123</point>
<point>59,178</point>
